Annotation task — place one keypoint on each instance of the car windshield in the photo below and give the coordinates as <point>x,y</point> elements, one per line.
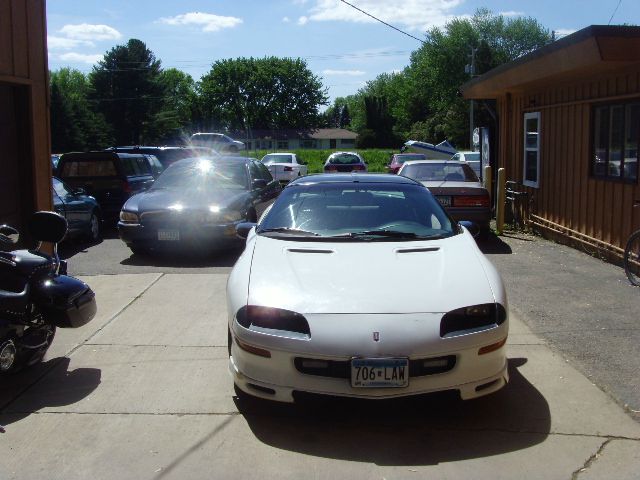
<point>357,212</point>
<point>447,172</point>
<point>203,175</point>
<point>267,159</point>
<point>344,159</point>
<point>408,158</point>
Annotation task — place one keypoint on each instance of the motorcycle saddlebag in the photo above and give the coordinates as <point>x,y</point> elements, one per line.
<point>65,301</point>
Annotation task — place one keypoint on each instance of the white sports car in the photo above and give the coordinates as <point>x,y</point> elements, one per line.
<point>284,167</point>
<point>361,285</point>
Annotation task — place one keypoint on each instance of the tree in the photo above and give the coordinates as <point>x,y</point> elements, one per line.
<point>179,112</point>
<point>74,124</point>
<point>128,91</point>
<point>265,93</point>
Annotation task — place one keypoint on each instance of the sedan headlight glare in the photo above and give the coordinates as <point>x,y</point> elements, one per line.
<point>272,318</point>
<point>232,216</point>
<point>128,217</point>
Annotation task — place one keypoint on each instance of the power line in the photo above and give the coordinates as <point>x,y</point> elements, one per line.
<point>383,22</point>
<point>614,12</point>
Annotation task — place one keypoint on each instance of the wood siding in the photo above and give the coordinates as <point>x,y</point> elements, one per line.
<point>24,77</point>
<point>568,196</point>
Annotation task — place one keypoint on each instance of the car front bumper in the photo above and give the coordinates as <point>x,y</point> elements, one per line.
<point>278,377</point>
<point>138,235</point>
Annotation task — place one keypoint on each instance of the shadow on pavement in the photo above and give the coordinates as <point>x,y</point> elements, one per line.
<point>185,259</point>
<point>57,386</point>
<point>494,244</point>
<point>424,430</point>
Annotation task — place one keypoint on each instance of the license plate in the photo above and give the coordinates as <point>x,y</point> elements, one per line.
<point>444,201</point>
<point>379,372</point>
<point>169,235</point>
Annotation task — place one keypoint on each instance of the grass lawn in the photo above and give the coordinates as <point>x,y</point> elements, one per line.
<point>376,158</point>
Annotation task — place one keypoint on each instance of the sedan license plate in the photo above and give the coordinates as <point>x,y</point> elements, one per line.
<point>444,201</point>
<point>169,235</point>
<point>379,372</point>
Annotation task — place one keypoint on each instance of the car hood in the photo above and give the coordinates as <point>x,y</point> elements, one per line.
<point>368,277</point>
<point>159,199</point>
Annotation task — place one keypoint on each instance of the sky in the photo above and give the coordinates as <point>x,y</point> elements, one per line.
<point>341,45</point>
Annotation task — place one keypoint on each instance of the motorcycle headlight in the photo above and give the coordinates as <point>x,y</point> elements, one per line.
<point>464,319</point>
<point>273,318</point>
<point>128,217</point>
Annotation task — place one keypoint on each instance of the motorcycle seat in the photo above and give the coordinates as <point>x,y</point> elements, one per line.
<point>29,262</point>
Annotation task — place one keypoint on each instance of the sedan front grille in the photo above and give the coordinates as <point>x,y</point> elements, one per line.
<point>342,368</point>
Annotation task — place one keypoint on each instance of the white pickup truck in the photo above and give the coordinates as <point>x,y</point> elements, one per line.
<point>284,167</point>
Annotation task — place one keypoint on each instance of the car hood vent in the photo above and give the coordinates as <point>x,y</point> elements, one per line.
<point>309,250</point>
<point>418,250</point>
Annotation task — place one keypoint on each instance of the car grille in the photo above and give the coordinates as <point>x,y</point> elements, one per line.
<point>342,368</point>
<point>168,219</point>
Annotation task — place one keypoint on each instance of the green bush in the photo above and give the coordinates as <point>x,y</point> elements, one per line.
<point>376,158</point>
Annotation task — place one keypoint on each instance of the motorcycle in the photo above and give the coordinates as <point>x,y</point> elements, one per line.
<point>36,294</point>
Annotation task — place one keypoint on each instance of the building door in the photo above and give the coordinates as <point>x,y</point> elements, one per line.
<point>16,188</point>
<point>332,143</point>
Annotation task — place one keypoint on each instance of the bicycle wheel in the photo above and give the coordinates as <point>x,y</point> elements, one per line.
<point>632,258</point>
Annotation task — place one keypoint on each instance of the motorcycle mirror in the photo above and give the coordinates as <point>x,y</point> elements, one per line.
<point>8,235</point>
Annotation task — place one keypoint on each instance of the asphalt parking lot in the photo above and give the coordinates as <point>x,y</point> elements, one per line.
<point>143,390</point>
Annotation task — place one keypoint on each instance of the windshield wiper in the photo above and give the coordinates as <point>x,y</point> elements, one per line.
<point>379,233</point>
<point>289,231</point>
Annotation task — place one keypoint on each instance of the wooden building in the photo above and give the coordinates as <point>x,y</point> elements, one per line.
<point>568,129</point>
<point>25,161</point>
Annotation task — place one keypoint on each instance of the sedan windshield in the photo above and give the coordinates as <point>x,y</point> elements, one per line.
<point>203,174</point>
<point>344,159</point>
<point>436,171</point>
<point>409,157</point>
<point>267,159</point>
<point>357,212</point>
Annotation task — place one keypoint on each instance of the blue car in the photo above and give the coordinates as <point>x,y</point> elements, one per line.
<point>81,211</point>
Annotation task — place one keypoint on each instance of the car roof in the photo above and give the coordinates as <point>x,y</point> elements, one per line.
<point>215,160</point>
<point>448,162</point>
<point>150,147</point>
<point>97,155</point>
<point>352,178</point>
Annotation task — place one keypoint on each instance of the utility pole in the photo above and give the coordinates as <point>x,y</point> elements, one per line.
<point>471,70</point>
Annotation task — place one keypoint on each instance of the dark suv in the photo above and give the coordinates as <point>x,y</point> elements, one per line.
<point>168,155</point>
<point>110,177</point>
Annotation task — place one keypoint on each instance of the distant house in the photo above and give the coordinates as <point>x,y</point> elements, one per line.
<point>568,129</point>
<point>322,138</point>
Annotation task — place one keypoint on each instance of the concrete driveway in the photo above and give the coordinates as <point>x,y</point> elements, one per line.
<point>143,392</point>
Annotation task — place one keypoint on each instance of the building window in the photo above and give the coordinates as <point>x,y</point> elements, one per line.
<point>616,134</point>
<point>283,145</point>
<point>348,142</point>
<point>308,143</point>
<point>531,149</point>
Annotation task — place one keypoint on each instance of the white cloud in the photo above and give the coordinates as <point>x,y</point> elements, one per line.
<point>285,19</point>
<point>512,13</point>
<point>349,73</point>
<point>208,21</point>
<point>302,20</point>
<point>74,57</point>
<point>406,14</point>
<point>88,32</point>
<point>62,43</point>
<point>563,32</point>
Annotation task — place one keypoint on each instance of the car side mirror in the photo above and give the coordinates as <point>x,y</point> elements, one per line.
<point>259,184</point>
<point>243,229</point>
<point>473,228</point>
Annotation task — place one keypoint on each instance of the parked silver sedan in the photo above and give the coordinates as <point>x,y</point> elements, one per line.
<point>456,187</point>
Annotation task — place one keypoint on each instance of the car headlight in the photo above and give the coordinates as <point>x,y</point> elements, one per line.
<point>232,216</point>
<point>464,319</point>
<point>128,217</point>
<point>273,318</point>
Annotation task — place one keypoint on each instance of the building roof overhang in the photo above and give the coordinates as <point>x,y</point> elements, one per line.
<point>592,50</point>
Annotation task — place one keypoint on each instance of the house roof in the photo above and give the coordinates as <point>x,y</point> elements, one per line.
<point>594,49</point>
<point>319,134</point>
